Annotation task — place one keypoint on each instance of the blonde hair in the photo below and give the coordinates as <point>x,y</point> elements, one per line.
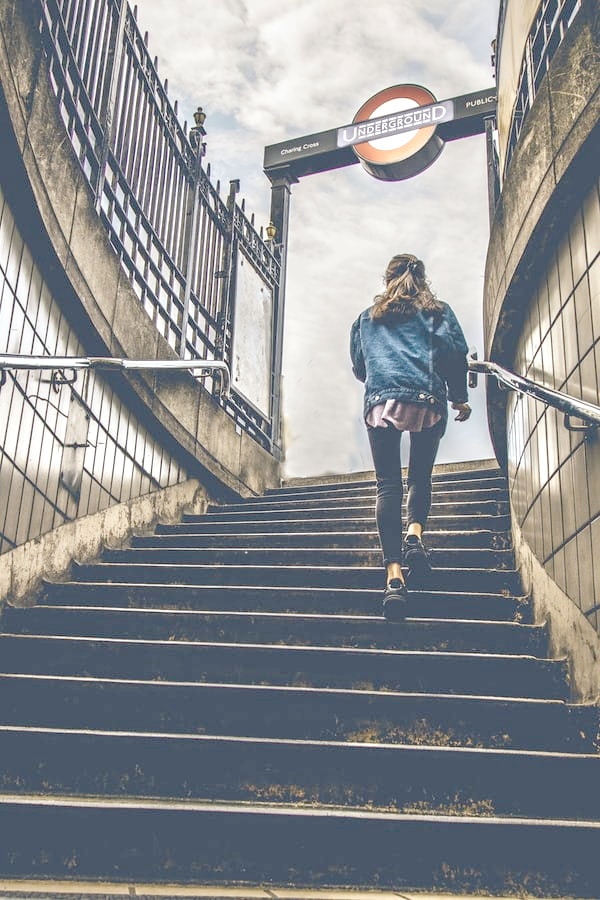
<point>406,289</point>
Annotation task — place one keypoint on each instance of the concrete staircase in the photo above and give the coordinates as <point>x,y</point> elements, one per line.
<point>223,704</point>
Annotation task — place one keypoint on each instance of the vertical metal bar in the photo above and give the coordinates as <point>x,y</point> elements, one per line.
<point>121,98</point>
<point>153,192</point>
<point>166,225</point>
<point>191,239</point>
<point>104,63</point>
<point>149,198</point>
<point>180,214</point>
<point>138,99</point>
<point>213,285</point>
<point>91,54</point>
<point>107,122</point>
<point>203,281</point>
<point>226,271</point>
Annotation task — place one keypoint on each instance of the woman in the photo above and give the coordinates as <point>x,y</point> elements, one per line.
<point>410,351</point>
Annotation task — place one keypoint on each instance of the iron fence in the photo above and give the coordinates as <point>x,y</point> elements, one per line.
<point>176,237</point>
<point>551,23</point>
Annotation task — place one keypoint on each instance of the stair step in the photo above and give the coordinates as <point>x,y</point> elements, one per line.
<point>290,510</point>
<point>460,491</point>
<point>343,491</point>
<point>395,670</point>
<point>427,604</point>
<point>471,501</point>
<point>400,778</point>
<point>299,556</point>
<point>251,627</point>
<point>296,712</point>
<point>325,523</point>
<point>366,577</point>
<point>224,704</point>
<point>179,536</point>
<point>158,840</point>
<point>472,477</point>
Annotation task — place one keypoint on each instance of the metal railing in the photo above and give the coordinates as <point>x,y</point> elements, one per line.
<point>176,237</point>
<point>61,364</point>
<point>551,23</point>
<point>572,407</point>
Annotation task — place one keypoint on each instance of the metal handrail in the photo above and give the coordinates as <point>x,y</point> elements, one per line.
<point>570,406</point>
<point>74,363</point>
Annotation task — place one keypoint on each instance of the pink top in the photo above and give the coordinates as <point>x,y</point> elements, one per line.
<point>403,416</point>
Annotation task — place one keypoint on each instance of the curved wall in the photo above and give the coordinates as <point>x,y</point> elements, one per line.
<point>542,319</point>
<point>72,452</point>
<point>515,27</point>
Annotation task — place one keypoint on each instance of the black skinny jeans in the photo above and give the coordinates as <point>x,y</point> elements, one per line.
<point>385,447</point>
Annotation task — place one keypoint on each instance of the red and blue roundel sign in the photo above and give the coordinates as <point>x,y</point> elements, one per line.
<point>400,127</point>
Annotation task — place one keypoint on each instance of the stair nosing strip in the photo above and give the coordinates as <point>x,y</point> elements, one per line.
<point>281,648</point>
<point>285,810</point>
<point>286,616</point>
<point>375,592</point>
<point>284,688</point>
<point>349,746</point>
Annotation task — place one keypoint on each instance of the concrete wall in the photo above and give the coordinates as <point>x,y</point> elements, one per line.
<point>54,208</point>
<point>518,19</point>
<point>49,556</point>
<point>214,449</point>
<point>542,302</point>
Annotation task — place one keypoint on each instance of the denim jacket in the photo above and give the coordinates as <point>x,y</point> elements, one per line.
<point>421,359</point>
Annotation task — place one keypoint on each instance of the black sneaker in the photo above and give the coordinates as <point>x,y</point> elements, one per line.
<point>416,557</point>
<point>395,600</point>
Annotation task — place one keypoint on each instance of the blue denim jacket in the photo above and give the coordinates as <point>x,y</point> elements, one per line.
<point>421,359</point>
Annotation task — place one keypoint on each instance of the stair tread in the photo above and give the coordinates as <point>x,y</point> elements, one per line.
<point>344,746</point>
<point>368,532</point>
<point>439,570</point>
<point>284,616</point>
<point>373,592</point>
<point>325,649</point>
<point>290,628</point>
<point>242,807</point>
<point>239,684</point>
<point>305,689</point>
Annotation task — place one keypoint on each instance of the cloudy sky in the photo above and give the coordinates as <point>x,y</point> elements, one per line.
<point>270,70</point>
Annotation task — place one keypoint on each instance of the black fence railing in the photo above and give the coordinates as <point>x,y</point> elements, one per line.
<point>549,27</point>
<point>178,240</point>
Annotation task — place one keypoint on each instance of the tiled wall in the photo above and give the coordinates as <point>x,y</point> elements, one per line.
<point>555,474</point>
<point>47,429</point>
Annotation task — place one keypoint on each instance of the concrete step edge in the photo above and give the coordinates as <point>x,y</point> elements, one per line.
<point>345,746</point>
<point>535,702</point>
<point>285,810</point>
<point>282,648</point>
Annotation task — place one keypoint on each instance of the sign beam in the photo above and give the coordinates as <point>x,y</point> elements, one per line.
<point>455,118</point>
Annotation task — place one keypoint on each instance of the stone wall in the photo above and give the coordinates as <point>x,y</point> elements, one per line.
<point>542,319</point>
<point>54,211</point>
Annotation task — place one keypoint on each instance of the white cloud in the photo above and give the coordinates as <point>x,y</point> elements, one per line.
<point>269,70</point>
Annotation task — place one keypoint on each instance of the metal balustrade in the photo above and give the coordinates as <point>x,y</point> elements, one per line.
<point>176,237</point>
<point>571,407</point>
<point>550,25</point>
<point>58,365</point>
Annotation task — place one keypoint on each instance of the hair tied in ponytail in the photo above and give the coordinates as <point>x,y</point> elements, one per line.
<point>406,289</point>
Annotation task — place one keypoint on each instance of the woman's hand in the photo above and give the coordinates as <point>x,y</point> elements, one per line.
<point>464,411</point>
